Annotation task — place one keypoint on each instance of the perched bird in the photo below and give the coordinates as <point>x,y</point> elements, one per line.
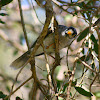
<point>66,36</point>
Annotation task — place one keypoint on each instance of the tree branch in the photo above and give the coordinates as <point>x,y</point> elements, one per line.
<point>18,87</point>
<point>23,24</point>
<point>71,79</point>
<point>40,39</point>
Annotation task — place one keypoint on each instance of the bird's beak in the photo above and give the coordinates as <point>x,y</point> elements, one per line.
<point>69,32</point>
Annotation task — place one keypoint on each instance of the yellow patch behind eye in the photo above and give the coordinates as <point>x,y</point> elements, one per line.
<point>69,32</point>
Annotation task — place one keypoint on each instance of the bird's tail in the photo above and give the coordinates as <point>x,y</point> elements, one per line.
<point>20,62</point>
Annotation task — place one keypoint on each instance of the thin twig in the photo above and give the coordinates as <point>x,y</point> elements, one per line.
<point>16,79</point>
<point>71,80</point>
<point>89,67</point>
<point>23,24</point>
<point>18,88</point>
<point>40,39</point>
<point>48,70</point>
<point>61,7</point>
<point>36,13</point>
<point>93,81</point>
<point>57,56</point>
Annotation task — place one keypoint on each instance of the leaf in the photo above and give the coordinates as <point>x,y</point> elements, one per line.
<point>95,43</point>
<point>3,14</point>
<point>81,5</point>
<point>83,34</point>
<point>2,21</point>
<point>82,58</point>
<point>87,44</point>
<point>93,38</point>
<point>59,84</point>
<point>18,98</point>
<point>96,48</point>
<point>2,95</point>
<point>5,2</point>
<point>8,88</point>
<point>15,52</point>
<point>83,51</point>
<point>83,92</point>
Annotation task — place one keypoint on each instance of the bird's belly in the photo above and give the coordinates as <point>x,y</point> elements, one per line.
<point>50,47</point>
<point>46,49</point>
<point>64,43</point>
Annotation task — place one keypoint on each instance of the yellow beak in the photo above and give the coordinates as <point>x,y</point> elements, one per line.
<point>69,32</point>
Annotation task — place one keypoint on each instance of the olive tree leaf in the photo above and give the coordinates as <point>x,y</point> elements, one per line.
<point>2,95</point>
<point>2,22</point>
<point>4,2</point>
<point>95,43</point>
<point>18,98</point>
<point>83,92</point>
<point>83,34</point>
<point>3,14</point>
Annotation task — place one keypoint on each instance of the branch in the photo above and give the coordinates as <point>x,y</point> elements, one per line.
<point>93,81</point>
<point>23,24</point>
<point>15,80</point>
<point>40,39</point>
<point>57,56</point>
<point>35,12</point>
<point>97,22</point>
<point>89,67</point>
<point>57,4</point>
<point>18,88</point>
<point>71,80</point>
<point>48,71</point>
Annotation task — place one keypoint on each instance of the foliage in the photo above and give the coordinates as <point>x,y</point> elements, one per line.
<point>82,57</point>
<point>5,2</point>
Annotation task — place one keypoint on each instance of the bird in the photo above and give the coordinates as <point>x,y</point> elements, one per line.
<point>66,36</point>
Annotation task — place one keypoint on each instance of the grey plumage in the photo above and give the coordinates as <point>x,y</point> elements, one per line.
<point>64,41</point>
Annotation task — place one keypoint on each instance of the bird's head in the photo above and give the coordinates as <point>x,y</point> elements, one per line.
<point>71,32</point>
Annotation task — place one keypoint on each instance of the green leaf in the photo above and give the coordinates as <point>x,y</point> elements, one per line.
<point>4,2</point>
<point>82,58</point>
<point>87,44</point>
<point>8,88</point>
<point>83,92</point>
<point>95,43</point>
<point>2,21</point>
<point>2,95</point>
<point>83,34</point>
<point>15,52</point>
<point>21,39</point>
<point>83,51</point>
<point>18,98</point>
<point>59,84</point>
<point>96,48</point>
<point>93,38</point>
<point>3,14</point>
<point>81,5</point>
<point>27,86</point>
